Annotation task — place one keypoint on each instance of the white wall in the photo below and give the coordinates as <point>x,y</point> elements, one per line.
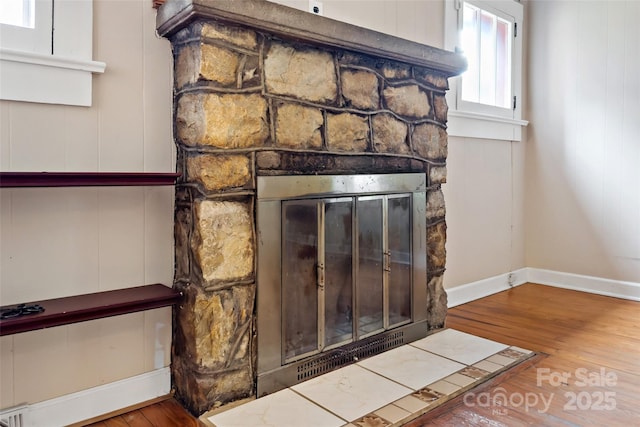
<point>417,20</point>
<point>583,152</point>
<point>56,242</point>
<point>485,201</point>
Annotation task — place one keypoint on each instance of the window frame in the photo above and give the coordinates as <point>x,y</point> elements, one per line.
<point>475,120</point>
<point>58,63</point>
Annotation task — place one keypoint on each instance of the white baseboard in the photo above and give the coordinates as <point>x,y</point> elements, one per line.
<point>485,287</point>
<point>96,401</point>
<point>594,285</point>
<point>492,285</point>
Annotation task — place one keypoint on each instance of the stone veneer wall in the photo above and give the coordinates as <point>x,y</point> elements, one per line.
<point>248,104</point>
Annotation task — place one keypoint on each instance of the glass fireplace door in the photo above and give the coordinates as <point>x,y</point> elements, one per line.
<point>339,258</point>
<point>346,270</point>
<point>370,272</point>
<point>338,271</point>
<point>299,278</point>
<point>399,268</point>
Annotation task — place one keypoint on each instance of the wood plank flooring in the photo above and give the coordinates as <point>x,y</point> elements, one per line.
<point>580,334</point>
<point>576,334</point>
<point>168,413</point>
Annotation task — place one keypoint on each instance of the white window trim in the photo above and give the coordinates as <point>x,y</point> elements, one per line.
<point>470,123</point>
<point>64,77</point>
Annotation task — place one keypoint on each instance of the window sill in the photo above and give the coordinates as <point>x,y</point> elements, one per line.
<point>474,125</point>
<point>52,79</point>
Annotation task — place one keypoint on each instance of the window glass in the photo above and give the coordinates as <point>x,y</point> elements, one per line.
<point>485,101</point>
<point>486,43</point>
<point>26,25</point>
<point>19,13</point>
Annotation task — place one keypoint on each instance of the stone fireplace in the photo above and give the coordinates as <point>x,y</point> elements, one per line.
<point>337,136</point>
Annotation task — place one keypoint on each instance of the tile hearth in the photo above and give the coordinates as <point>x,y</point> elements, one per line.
<point>385,390</point>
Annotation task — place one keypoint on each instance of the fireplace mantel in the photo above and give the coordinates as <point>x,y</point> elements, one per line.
<point>305,27</point>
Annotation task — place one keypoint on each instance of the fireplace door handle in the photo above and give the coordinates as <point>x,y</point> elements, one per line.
<point>387,259</point>
<point>321,276</point>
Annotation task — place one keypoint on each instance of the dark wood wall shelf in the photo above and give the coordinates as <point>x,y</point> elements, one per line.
<point>86,179</point>
<point>80,308</point>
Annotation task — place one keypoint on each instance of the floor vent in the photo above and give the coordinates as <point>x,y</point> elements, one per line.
<point>14,417</point>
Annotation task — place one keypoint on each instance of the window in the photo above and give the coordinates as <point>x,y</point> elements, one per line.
<point>486,43</point>
<point>58,63</point>
<point>25,25</point>
<point>485,99</point>
<point>18,13</point>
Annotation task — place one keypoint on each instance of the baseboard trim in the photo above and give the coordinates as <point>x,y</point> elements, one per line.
<point>590,284</point>
<point>492,285</point>
<point>87,404</point>
<point>485,287</point>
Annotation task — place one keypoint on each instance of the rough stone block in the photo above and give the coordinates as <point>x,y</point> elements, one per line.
<point>230,385</point>
<point>440,108</point>
<point>347,57</point>
<point>304,74</point>
<point>408,101</point>
<point>436,250</point>
<point>219,65</point>
<point>237,36</point>
<point>360,89</point>
<point>395,71</point>
<point>221,326</point>
<point>305,162</point>
<point>430,141</point>
<point>202,391</point>
<point>431,78</point>
<point>299,127</point>
<point>267,160</point>
<point>419,165</point>
<point>187,65</point>
<point>223,121</point>
<point>181,233</point>
<point>347,132</point>
<point>437,175</point>
<point>251,74</point>
<point>435,205</point>
<point>436,303</point>
<point>218,172</point>
<point>224,247</point>
<point>389,134</point>
<point>212,355</point>
<point>215,64</point>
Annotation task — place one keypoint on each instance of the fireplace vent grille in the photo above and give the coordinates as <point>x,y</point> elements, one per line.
<point>350,354</point>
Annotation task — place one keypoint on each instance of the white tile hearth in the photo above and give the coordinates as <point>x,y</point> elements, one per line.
<point>351,392</point>
<point>411,366</point>
<point>284,409</point>
<point>385,390</point>
<point>459,346</point>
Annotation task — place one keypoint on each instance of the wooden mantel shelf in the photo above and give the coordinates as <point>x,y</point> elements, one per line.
<point>85,179</point>
<point>79,308</point>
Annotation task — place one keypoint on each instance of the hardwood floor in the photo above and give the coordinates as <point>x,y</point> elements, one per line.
<point>168,413</point>
<point>578,335</point>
